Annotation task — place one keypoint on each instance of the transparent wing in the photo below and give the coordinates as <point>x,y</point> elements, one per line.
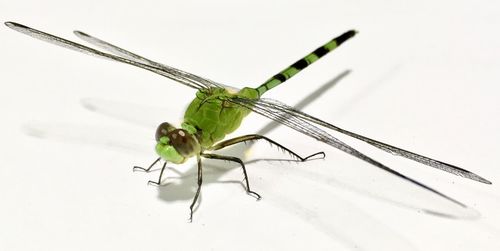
<point>132,56</point>
<point>274,105</point>
<point>166,72</point>
<point>286,115</point>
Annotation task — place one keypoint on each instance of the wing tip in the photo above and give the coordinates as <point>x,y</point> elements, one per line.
<point>16,26</point>
<point>477,178</point>
<point>470,175</point>
<point>80,34</point>
<point>485,181</point>
<point>11,25</point>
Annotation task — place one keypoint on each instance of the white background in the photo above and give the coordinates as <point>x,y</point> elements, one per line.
<point>424,76</point>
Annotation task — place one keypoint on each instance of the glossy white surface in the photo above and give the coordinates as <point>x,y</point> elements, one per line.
<point>424,76</point>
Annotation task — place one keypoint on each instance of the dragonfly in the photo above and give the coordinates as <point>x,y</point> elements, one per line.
<point>218,110</point>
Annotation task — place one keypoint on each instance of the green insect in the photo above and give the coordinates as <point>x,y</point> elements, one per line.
<point>218,110</point>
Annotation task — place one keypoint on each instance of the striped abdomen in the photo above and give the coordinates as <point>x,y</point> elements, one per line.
<point>304,62</point>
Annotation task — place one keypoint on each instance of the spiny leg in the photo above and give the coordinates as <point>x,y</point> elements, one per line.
<point>145,169</point>
<point>237,160</point>
<point>159,178</point>
<point>200,180</point>
<point>251,137</point>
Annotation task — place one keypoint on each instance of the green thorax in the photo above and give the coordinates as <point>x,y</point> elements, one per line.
<point>212,116</point>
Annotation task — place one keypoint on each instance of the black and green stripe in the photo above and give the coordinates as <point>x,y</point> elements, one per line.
<point>304,62</point>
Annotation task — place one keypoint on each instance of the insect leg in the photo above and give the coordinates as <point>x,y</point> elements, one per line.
<point>159,178</point>
<point>252,137</point>
<point>145,169</point>
<point>237,160</point>
<point>200,181</point>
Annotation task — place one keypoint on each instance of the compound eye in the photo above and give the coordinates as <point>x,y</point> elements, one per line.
<point>185,144</point>
<point>162,130</point>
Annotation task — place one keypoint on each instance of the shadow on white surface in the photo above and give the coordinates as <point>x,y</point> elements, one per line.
<point>87,135</point>
<point>329,218</point>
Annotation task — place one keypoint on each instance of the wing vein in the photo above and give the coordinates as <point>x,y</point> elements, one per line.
<point>286,118</point>
<point>277,105</point>
<point>90,51</point>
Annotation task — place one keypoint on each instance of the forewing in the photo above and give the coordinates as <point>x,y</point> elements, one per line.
<point>90,51</point>
<point>206,83</point>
